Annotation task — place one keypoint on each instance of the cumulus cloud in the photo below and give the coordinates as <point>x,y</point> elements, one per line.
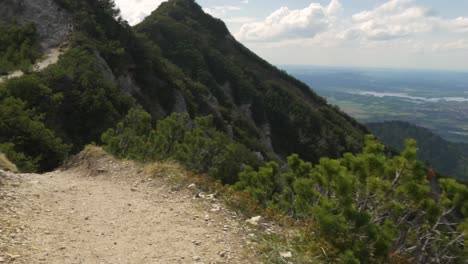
<point>394,19</point>
<point>286,23</point>
<point>134,11</point>
<point>459,24</point>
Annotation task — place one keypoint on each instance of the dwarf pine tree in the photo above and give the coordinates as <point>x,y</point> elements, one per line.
<point>370,207</point>
<point>198,145</point>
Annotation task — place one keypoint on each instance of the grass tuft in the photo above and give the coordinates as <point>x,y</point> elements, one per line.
<point>6,164</point>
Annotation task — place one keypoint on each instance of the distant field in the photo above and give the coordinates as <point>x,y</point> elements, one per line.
<point>436,100</point>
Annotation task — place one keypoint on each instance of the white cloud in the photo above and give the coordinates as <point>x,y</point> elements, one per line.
<point>326,26</point>
<point>394,19</point>
<point>459,24</point>
<point>134,11</point>
<point>394,34</point>
<point>286,23</point>
<point>404,19</point>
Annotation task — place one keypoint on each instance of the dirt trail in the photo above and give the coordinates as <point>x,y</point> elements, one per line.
<point>51,57</point>
<point>113,213</point>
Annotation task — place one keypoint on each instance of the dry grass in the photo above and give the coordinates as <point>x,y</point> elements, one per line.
<point>169,170</point>
<point>92,151</point>
<point>7,165</point>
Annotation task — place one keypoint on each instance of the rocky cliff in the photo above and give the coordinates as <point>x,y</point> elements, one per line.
<point>53,24</point>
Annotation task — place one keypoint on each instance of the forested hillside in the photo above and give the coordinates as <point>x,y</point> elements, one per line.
<point>18,47</point>
<point>178,60</point>
<point>249,97</point>
<point>447,157</point>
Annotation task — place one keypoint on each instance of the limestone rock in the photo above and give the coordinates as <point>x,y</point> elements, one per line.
<point>254,220</point>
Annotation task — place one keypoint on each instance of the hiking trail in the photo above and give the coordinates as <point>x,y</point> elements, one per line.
<point>101,210</point>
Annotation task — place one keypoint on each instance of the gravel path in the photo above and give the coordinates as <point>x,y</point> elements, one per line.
<point>113,214</point>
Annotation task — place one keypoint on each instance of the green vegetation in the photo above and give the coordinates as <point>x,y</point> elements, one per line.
<point>448,158</point>
<point>243,92</point>
<point>362,208</point>
<point>198,145</point>
<point>46,115</point>
<point>30,142</point>
<point>80,97</point>
<point>369,207</point>
<point>18,47</point>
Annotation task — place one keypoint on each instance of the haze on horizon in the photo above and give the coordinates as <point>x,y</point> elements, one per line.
<point>422,34</point>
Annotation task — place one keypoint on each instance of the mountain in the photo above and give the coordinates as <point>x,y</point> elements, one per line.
<point>447,157</point>
<point>245,92</point>
<point>179,59</point>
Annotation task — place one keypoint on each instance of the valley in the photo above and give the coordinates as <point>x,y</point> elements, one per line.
<point>435,100</point>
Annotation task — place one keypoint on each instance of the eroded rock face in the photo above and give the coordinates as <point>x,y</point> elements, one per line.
<point>53,24</point>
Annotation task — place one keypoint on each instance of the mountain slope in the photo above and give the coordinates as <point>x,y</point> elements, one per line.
<point>447,157</point>
<point>178,60</point>
<point>244,91</point>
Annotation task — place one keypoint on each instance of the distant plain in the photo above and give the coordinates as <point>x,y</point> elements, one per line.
<point>437,100</point>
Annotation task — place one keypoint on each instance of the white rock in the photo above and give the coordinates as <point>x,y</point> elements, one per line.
<point>215,208</point>
<point>2,260</point>
<point>286,254</point>
<point>254,220</point>
<point>192,185</point>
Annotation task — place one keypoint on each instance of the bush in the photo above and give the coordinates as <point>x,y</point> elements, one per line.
<point>25,138</point>
<point>197,145</point>
<point>18,47</point>
<point>368,206</point>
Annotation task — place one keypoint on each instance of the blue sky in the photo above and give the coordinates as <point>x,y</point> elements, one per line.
<point>365,33</point>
